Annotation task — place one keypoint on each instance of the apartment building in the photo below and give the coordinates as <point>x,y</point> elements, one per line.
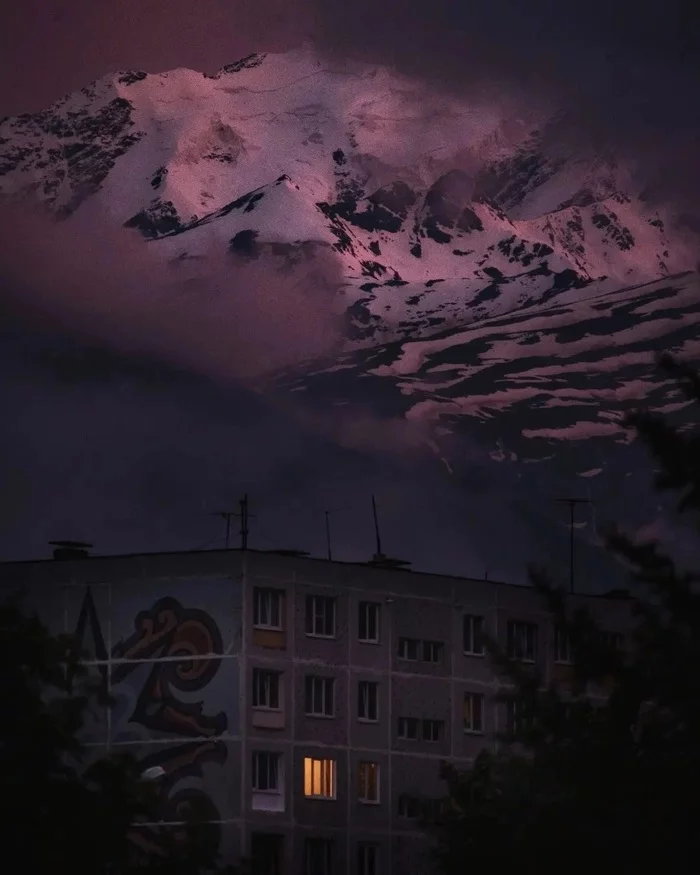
<point>306,704</point>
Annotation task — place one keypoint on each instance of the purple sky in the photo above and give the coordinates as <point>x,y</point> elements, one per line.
<point>95,442</point>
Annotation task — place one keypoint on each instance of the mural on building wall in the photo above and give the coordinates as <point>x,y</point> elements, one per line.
<point>178,651</point>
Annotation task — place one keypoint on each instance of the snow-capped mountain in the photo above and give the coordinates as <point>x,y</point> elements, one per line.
<point>493,280</point>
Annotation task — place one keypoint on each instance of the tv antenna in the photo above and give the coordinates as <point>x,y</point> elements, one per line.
<point>572,502</point>
<point>379,559</point>
<point>244,515</point>
<point>328,535</point>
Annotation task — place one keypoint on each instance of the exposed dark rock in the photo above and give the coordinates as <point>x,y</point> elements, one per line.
<point>245,243</point>
<point>159,218</point>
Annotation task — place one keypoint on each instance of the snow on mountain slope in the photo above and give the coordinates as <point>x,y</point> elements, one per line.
<point>499,290</point>
<point>405,184</point>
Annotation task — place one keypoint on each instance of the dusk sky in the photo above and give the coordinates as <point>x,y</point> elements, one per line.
<point>117,409</point>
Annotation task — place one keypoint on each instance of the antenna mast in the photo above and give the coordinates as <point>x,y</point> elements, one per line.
<point>377,537</point>
<point>226,515</point>
<point>572,502</point>
<point>328,536</point>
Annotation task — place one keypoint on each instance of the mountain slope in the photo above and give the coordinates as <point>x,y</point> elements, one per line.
<point>498,290</point>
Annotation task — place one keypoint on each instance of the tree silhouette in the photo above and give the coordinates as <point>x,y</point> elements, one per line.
<point>584,781</point>
<point>60,812</point>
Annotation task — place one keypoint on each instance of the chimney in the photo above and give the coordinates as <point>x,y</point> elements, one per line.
<point>70,549</point>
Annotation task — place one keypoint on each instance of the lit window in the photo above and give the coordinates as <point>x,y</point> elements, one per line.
<point>266,689</point>
<point>432,651</point>
<point>367,859</point>
<point>473,712</point>
<point>433,730</point>
<point>267,608</point>
<point>368,631</point>
<point>522,641</point>
<point>320,616</point>
<point>319,696</point>
<point>368,701</point>
<point>408,648</point>
<point>319,778</point>
<point>408,728</point>
<point>473,635</point>
<point>368,790</point>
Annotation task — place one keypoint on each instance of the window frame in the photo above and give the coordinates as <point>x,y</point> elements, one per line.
<point>364,866</point>
<point>439,649</point>
<point>314,763</point>
<point>262,593</point>
<point>365,783</point>
<point>325,618</point>
<point>365,610</point>
<point>372,698</point>
<point>406,722</point>
<point>476,635</point>
<point>273,757</point>
<point>327,684</point>
<point>439,725</point>
<point>267,674</point>
<point>562,642</point>
<point>408,641</point>
<point>473,697</point>
<point>514,631</point>
<point>318,842</point>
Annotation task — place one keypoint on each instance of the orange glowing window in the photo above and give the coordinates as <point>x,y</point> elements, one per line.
<point>319,778</point>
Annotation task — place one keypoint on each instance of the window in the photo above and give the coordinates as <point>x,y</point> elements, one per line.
<point>473,635</point>
<point>266,772</point>
<point>266,689</point>
<point>409,806</point>
<point>562,646</point>
<point>473,712</point>
<point>368,701</point>
<point>266,853</point>
<point>319,778</point>
<point>432,651</point>
<point>368,631</point>
<point>408,727</point>
<point>408,648</point>
<point>320,616</point>
<point>317,856</point>
<point>320,696</point>
<point>367,859</point>
<point>267,782</point>
<point>522,641</point>
<point>515,717</point>
<point>368,789</point>
<point>610,640</point>
<point>433,730</point>
<point>267,608</point>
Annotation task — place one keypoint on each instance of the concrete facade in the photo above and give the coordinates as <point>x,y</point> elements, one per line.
<point>214,659</point>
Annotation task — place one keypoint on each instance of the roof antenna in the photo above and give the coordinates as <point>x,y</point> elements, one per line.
<point>328,535</point>
<point>572,502</point>
<point>226,515</point>
<point>379,559</point>
<point>378,556</point>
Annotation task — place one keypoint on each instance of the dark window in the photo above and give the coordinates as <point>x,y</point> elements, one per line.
<point>367,859</point>
<point>409,648</point>
<point>368,622</point>
<point>562,646</point>
<point>266,853</point>
<point>319,696</point>
<point>473,712</point>
<point>433,730</point>
<point>408,728</point>
<point>318,856</point>
<point>266,689</point>
<point>409,806</point>
<point>522,641</point>
<point>433,651</point>
<point>473,632</point>
<point>320,616</point>
<point>267,608</point>
<point>368,701</point>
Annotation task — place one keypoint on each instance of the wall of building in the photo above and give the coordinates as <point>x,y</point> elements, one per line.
<point>172,639</point>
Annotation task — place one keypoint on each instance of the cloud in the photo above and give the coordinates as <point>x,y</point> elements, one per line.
<point>220,316</point>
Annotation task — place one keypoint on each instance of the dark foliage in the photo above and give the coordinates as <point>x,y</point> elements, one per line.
<point>64,809</point>
<point>602,769</point>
